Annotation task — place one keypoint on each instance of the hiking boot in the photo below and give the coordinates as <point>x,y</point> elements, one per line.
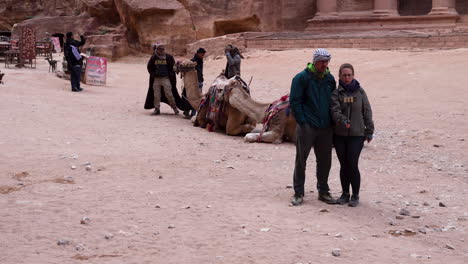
<point>75,90</point>
<point>297,200</point>
<point>326,198</point>
<point>354,201</point>
<point>186,114</point>
<point>176,111</point>
<point>344,199</point>
<point>156,112</point>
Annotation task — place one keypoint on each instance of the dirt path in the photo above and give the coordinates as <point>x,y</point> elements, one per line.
<point>163,191</point>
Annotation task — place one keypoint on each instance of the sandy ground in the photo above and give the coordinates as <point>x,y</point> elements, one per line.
<point>163,191</point>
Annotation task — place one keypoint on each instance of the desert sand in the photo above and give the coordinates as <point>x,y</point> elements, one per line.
<point>158,190</point>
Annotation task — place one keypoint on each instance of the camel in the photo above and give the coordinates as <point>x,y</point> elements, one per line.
<point>230,119</point>
<point>281,126</point>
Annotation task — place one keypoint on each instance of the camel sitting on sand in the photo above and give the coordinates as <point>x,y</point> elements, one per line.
<point>278,122</point>
<point>213,111</point>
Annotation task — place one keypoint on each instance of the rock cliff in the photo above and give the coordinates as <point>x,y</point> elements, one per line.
<point>140,23</point>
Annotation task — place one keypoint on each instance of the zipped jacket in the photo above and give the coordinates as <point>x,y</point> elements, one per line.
<point>354,109</point>
<point>310,98</point>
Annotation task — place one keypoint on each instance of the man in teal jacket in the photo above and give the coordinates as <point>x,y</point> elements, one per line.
<point>310,96</point>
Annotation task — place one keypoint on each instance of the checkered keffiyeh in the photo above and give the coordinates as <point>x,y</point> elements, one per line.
<point>321,55</point>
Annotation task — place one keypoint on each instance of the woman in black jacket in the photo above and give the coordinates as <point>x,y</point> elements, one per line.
<point>352,114</point>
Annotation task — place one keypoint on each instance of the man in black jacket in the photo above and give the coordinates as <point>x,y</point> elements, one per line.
<point>74,60</point>
<point>161,69</point>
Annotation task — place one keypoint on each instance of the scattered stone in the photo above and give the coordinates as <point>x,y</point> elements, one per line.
<point>157,206</point>
<point>87,163</point>
<point>353,238</point>
<point>289,186</point>
<point>441,204</point>
<point>79,247</point>
<point>415,255</point>
<point>399,217</point>
<point>461,139</point>
<point>208,206</point>
<point>160,177</point>
<point>63,242</point>
<point>406,232</point>
<point>186,207</point>
<point>461,218</point>
<point>375,235</point>
<point>390,222</point>
<point>426,204</point>
<point>305,230</point>
<point>88,168</point>
<point>423,191</point>
<point>171,226</point>
<point>243,226</point>
<point>230,167</point>
<point>336,252</point>
<point>85,220</point>
<point>338,235</point>
<point>415,216</point>
<point>449,247</point>
<point>422,230</point>
<point>265,229</point>
<point>69,179</point>
<point>21,175</point>
<point>404,211</point>
<point>436,145</point>
<point>324,210</point>
<point>216,161</point>
<point>156,233</point>
<point>108,236</point>
<point>73,167</point>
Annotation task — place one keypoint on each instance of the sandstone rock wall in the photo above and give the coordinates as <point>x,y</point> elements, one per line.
<point>175,22</point>
<point>15,11</point>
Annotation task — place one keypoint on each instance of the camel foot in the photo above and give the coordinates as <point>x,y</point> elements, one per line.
<point>251,137</point>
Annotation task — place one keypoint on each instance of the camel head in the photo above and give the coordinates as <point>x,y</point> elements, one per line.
<point>185,65</point>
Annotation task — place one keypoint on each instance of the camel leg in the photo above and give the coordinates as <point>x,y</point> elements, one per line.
<point>267,137</point>
<point>201,118</point>
<point>234,128</point>
<point>251,137</point>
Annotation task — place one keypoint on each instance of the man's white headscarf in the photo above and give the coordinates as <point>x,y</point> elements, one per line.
<point>321,55</point>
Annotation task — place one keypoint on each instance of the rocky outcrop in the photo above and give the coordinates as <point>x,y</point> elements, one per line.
<point>144,22</point>
<point>16,11</point>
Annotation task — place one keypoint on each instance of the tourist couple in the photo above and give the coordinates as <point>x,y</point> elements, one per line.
<point>328,116</point>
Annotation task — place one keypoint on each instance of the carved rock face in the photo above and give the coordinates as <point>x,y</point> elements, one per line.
<point>175,22</point>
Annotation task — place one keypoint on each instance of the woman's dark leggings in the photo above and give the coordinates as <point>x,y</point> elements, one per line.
<point>348,150</point>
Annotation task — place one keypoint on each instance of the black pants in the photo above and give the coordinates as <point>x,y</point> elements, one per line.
<point>75,76</point>
<point>321,140</point>
<point>348,150</point>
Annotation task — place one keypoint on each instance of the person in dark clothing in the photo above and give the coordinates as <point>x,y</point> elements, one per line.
<point>74,60</point>
<point>198,58</point>
<point>161,70</point>
<point>233,63</point>
<point>310,95</point>
<point>352,114</point>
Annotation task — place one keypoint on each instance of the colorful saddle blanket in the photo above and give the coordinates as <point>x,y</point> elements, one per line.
<point>274,109</point>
